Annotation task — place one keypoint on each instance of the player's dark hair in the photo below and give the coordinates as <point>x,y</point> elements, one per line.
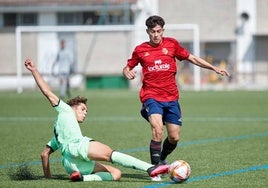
<point>153,21</point>
<point>77,100</point>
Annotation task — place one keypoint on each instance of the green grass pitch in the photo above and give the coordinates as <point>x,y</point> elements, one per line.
<point>224,138</point>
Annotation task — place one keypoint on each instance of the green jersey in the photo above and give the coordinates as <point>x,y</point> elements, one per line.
<point>66,126</point>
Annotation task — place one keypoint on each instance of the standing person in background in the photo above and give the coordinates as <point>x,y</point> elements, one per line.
<point>65,63</point>
<point>159,93</point>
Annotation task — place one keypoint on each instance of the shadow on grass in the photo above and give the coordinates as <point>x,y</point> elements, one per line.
<point>24,172</point>
<point>136,177</point>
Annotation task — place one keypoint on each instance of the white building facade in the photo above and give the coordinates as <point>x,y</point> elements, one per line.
<point>233,34</point>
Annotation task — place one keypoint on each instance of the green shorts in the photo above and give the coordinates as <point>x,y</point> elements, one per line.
<point>74,158</point>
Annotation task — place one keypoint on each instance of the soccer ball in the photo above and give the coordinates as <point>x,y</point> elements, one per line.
<point>179,171</point>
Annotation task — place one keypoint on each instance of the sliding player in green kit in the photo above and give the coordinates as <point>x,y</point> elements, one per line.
<point>79,153</point>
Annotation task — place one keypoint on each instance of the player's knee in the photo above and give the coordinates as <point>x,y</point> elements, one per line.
<point>173,139</point>
<point>116,174</point>
<point>108,155</point>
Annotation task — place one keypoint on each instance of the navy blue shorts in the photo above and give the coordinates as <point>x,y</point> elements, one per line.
<point>170,111</point>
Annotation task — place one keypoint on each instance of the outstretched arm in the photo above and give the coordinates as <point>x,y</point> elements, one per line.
<point>45,161</point>
<point>44,87</point>
<point>204,64</point>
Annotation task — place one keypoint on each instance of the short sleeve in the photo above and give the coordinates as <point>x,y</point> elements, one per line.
<point>53,144</point>
<point>181,53</point>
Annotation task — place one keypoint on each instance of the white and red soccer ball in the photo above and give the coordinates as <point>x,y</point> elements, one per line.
<point>179,171</point>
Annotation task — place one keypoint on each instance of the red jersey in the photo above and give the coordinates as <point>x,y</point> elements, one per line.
<point>159,69</point>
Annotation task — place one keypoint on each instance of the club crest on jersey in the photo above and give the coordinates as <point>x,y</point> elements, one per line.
<point>159,66</point>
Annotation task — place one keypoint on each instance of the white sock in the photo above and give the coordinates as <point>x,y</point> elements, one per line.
<point>91,177</point>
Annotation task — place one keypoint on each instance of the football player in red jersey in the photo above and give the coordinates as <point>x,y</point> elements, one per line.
<point>159,93</point>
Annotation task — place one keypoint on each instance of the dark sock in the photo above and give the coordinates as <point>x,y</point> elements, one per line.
<point>167,149</point>
<point>155,151</point>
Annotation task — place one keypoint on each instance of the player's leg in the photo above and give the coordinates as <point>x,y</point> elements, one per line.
<point>63,85</point>
<point>173,131</point>
<point>103,171</point>
<point>152,111</point>
<point>157,134</point>
<point>79,160</point>
<point>101,152</point>
<point>132,162</point>
<point>170,143</point>
<point>81,170</point>
<point>68,87</point>
<point>172,118</point>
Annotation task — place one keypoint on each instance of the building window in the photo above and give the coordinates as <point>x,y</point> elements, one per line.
<point>90,18</point>
<point>28,19</point>
<point>69,18</point>
<point>24,19</point>
<point>112,18</point>
<point>10,19</point>
<point>94,18</point>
